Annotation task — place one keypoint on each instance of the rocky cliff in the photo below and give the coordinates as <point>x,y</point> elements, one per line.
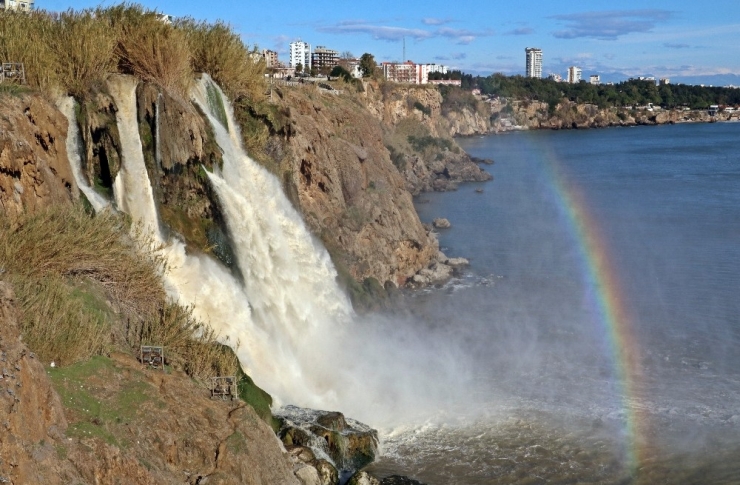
<point>34,171</point>
<point>497,115</point>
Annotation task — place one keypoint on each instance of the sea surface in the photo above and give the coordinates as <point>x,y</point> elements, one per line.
<point>599,317</point>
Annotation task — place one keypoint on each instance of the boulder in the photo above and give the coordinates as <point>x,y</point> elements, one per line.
<point>441,223</point>
<point>308,475</point>
<point>349,444</point>
<point>363,478</point>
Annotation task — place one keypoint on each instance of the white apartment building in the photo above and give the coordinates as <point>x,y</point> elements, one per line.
<point>574,74</point>
<point>594,79</point>
<point>300,53</point>
<point>25,5</point>
<point>534,62</point>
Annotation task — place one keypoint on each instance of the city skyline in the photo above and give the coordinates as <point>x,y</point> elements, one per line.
<point>683,41</point>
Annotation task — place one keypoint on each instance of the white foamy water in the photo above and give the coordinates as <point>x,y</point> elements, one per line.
<point>131,187</point>
<point>67,106</point>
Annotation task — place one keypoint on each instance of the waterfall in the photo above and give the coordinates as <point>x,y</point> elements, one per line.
<point>290,324</point>
<point>289,290</point>
<point>67,106</point>
<point>131,187</point>
<point>288,275</point>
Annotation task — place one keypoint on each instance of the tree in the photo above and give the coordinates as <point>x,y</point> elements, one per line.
<point>367,64</point>
<point>298,68</point>
<point>339,71</point>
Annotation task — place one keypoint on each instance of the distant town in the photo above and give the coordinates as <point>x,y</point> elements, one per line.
<point>322,61</point>
<point>305,61</point>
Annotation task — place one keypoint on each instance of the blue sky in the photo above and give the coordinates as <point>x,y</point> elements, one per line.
<point>685,40</point>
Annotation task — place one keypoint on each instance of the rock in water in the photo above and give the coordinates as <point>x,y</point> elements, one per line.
<point>346,443</point>
<point>441,223</point>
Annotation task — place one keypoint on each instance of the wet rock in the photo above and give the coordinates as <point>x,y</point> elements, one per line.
<point>308,475</point>
<point>363,478</point>
<point>399,480</point>
<point>441,223</point>
<point>346,443</point>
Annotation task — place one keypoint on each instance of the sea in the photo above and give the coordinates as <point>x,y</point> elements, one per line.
<point>597,328</point>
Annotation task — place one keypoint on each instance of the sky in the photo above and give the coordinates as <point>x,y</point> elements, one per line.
<point>689,41</point>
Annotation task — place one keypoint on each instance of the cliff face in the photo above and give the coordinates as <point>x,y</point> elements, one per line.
<point>500,115</point>
<point>418,134</point>
<point>348,190</point>
<point>34,172</point>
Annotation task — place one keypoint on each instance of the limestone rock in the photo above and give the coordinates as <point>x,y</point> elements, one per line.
<point>348,443</point>
<point>363,478</point>
<point>34,170</point>
<point>441,223</point>
<point>33,420</point>
<point>340,175</point>
<point>308,475</point>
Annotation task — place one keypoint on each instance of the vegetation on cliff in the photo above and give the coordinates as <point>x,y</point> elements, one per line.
<point>74,50</point>
<point>633,92</point>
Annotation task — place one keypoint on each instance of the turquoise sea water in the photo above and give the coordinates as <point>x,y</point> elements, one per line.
<point>545,402</point>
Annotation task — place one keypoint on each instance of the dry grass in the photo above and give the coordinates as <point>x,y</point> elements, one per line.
<point>149,48</point>
<point>219,51</point>
<point>82,48</point>
<point>58,323</point>
<point>189,344</point>
<point>84,286</point>
<point>26,37</point>
<point>74,50</point>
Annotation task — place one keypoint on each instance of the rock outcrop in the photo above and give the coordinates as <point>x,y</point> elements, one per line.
<point>315,437</point>
<point>34,171</point>
<point>32,422</point>
<point>351,195</point>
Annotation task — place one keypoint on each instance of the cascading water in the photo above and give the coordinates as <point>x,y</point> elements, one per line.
<point>67,106</point>
<point>131,187</point>
<point>290,324</point>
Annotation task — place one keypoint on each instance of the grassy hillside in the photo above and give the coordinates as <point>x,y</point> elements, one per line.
<point>86,290</point>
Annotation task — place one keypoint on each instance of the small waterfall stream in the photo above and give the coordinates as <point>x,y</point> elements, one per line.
<point>67,106</point>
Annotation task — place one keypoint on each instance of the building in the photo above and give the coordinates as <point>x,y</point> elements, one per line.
<point>409,72</point>
<point>594,79</point>
<point>664,81</point>
<point>534,62</point>
<point>25,5</point>
<point>441,68</point>
<point>270,57</point>
<point>555,77</point>
<point>323,57</point>
<point>300,53</point>
<point>574,74</point>
<point>400,72</point>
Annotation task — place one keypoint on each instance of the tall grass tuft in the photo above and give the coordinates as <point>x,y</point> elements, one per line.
<point>189,344</point>
<point>26,37</point>
<point>83,46</point>
<point>66,241</point>
<point>148,47</point>
<point>219,51</point>
<point>57,323</point>
<point>71,270</point>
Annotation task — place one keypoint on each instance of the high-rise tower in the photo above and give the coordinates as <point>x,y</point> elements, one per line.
<point>534,62</point>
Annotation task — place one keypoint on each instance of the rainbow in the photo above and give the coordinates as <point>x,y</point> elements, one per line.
<point>605,296</point>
